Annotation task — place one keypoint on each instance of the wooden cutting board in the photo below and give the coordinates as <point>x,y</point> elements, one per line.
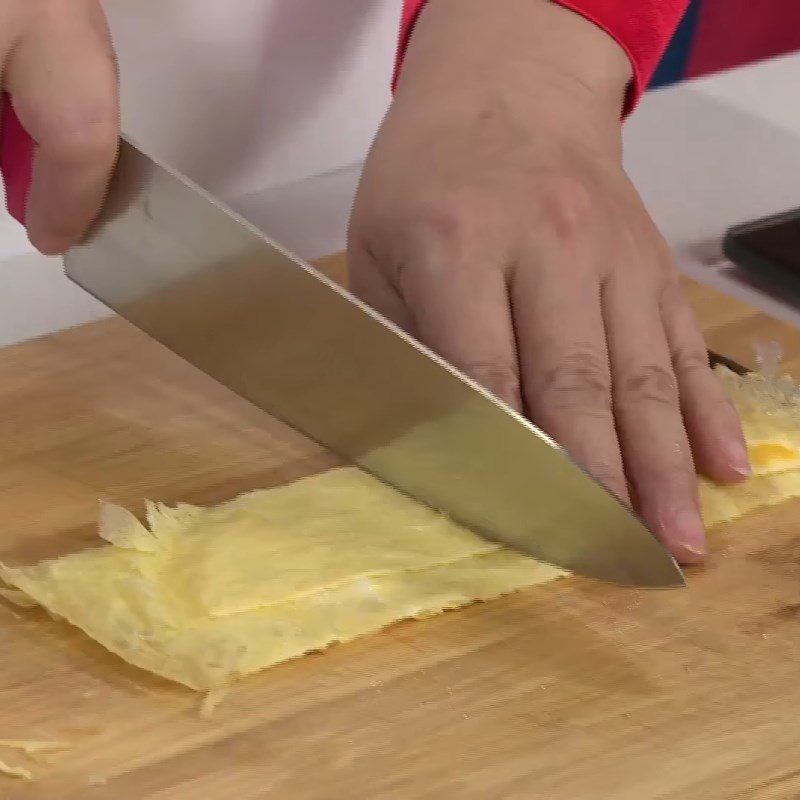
<point>571,691</point>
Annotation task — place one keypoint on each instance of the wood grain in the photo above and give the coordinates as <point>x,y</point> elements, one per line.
<point>571,691</point>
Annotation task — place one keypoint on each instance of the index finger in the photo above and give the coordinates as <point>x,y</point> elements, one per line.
<point>63,82</point>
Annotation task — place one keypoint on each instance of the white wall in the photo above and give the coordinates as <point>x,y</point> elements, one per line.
<point>244,95</point>
<point>269,104</point>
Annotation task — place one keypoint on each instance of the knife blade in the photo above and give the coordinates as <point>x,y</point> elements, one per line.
<point>216,291</point>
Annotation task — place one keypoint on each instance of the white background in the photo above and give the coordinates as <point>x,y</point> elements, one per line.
<point>272,104</point>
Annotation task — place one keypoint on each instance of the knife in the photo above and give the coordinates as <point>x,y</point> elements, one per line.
<point>216,291</point>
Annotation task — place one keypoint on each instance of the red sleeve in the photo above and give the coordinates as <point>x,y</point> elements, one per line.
<point>643,30</point>
<point>16,159</point>
<point>411,9</point>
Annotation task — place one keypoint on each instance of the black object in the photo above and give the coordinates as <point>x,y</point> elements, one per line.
<point>733,366</point>
<point>767,250</point>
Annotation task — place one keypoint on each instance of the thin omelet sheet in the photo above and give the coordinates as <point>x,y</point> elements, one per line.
<point>204,595</point>
<point>770,413</point>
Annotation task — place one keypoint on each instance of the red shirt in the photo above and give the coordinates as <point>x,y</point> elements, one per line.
<point>642,27</point>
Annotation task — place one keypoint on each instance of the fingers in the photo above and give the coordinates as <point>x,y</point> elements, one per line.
<point>711,421</point>
<point>457,305</point>
<point>62,79</point>
<point>563,357</point>
<point>658,459</point>
<point>369,282</point>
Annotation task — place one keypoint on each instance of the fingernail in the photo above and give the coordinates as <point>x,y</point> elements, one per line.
<point>688,535</point>
<point>738,459</point>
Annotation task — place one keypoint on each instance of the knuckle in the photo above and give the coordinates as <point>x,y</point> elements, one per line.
<point>690,361</point>
<point>580,382</point>
<point>650,383</point>
<point>500,379</point>
<point>566,204</point>
<point>84,133</point>
<point>452,220</point>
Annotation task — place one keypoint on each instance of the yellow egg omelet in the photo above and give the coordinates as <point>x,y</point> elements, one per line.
<point>204,595</point>
<point>770,415</point>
